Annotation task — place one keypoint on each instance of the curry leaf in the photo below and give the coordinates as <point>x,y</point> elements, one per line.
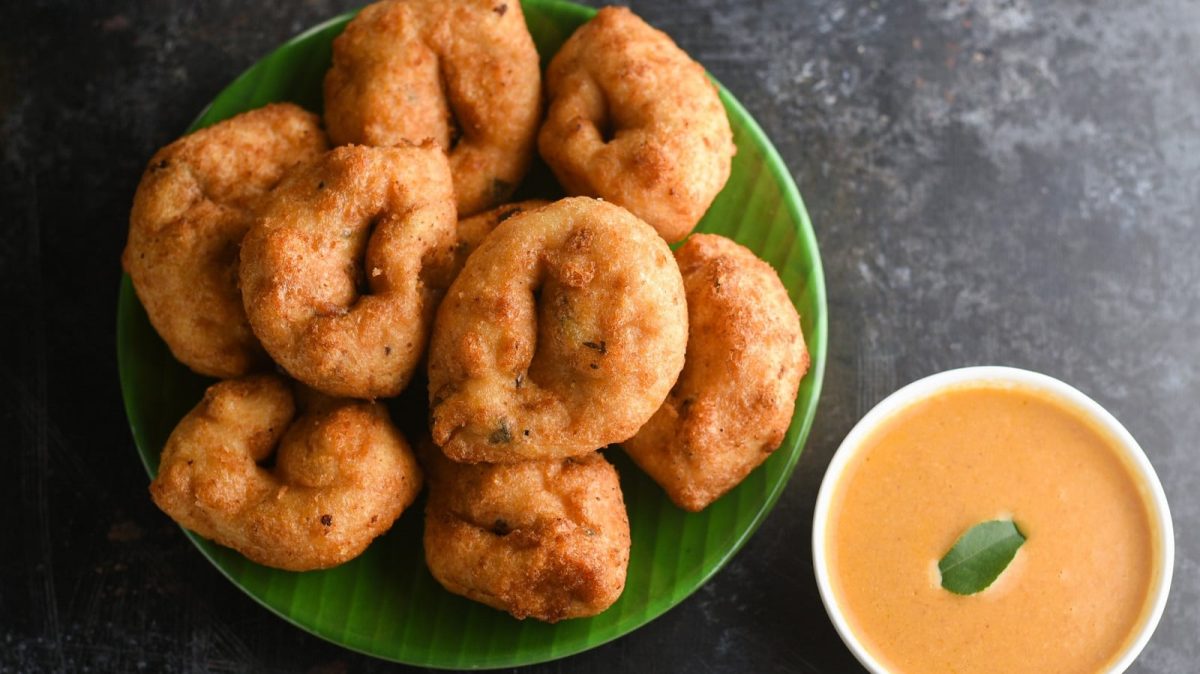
<point>979,556</point>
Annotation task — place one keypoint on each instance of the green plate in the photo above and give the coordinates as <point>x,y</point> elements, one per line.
<point>385,603</point>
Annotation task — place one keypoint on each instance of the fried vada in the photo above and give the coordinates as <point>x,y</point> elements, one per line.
<point>462,72</point>
<point>194,204</point>
<point>540,539</point>
<point>734,400</point>
<point>634,120</point>
<point>342,473</point>
<point>346,263</point>
<point>563,333</point>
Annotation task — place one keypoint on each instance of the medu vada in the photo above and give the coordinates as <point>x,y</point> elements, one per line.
<point>462,72</point>
<point>342,473</point>
<point>634,120</point>
<point>193,205</point>
<point>734,400</point>
<point>541,539</point>
<point>346,263</point>
<point>563,333</point>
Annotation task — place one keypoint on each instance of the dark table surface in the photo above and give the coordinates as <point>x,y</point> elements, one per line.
<point>992,182</point>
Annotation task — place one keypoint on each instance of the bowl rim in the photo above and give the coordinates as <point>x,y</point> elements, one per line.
<point>926,387</point>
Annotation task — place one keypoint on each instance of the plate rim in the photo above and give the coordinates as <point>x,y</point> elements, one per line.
<point>817,345</point>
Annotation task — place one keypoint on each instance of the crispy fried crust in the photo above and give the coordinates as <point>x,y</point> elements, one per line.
<point>734,399</point>
<point>192,208</point>
<point>462,72</point>
<point>342,474</point>
<point>634,120</point>
<point>563,333</point>
<point>473,230</point>
<point>343,269</point>
<point>541,539</point>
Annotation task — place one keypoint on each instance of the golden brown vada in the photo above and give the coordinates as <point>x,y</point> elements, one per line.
<point>734,399</point>
<point>541,539</point>
<point>462,72</point>
<point>343,269</point>
<point>192,208</point>
<point>634,120</point>
<point>342,473</point>
<point>563,333</point>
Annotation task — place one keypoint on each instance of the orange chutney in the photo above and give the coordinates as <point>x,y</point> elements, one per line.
<point>1078,589</point>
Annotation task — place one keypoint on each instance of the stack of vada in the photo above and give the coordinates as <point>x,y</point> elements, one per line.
<point>314,269</point>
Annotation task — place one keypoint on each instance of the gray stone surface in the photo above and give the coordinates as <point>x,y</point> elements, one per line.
<point>996,181</point>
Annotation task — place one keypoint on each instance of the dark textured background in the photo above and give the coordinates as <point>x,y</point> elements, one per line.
<point>995,181</point>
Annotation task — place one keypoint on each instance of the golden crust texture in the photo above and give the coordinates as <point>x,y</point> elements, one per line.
<point>563,333</point>
<point>193,206</point>
<point>462,72</point>
<point>634,120</point>
<point>343,269</point>
<point>541,539</point>
<point>474,229</point>
<point>342,473</point>
<point>734,399</point>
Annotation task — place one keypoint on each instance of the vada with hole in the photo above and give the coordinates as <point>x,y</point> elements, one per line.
<point>342,473</point>
<point>343,269</point>
<point>462,72</point>
<point>634,120</point>
<point>563,333</point>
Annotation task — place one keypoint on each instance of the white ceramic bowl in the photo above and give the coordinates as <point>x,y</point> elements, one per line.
<point>923,388</point>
